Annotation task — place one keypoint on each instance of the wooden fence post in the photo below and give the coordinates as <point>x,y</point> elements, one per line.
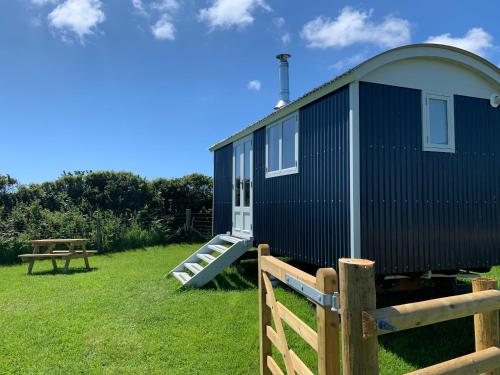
<point>357,294</point>
<point>188,219</point>
<point>265,317</point>
<point>486,327</point>
<point>327,325</point>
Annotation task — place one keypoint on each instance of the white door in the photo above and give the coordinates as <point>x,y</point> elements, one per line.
<point>242,187</point>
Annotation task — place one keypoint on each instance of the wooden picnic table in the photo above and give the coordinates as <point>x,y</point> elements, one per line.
<point>51,253</point>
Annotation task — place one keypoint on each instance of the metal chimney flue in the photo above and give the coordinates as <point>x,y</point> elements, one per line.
<point>284,84</point>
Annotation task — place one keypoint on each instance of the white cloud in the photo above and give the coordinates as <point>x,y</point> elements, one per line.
<point>163,11</point>
<point>165,5</point>
<point>279,22</point>
<point>139,7</point>
<point>43,2</point>
<point>353,26</point>
<point>476,41</point>
<point>286,38</point>
<point>349,62</point>
<point>36,21</point>
<point>254,85</point>
<point>231,13</point>
<point>159,6</point>
<point>80,17</point>
<point>164,28</point>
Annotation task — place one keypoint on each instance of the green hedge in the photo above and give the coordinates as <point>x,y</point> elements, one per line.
<point>132,211</point>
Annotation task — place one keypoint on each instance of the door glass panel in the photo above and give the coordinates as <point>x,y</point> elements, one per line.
<point>246,175</point>
<point>438,122</point>
<point>289,143</point>
<point>274,148</point>
<point>237,175</point>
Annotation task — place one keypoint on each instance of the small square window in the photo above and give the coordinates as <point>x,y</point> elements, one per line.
<point>438,122</point>
<point>282,143</point>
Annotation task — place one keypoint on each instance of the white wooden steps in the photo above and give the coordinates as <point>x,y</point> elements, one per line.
<point>219,248</point>
<point>210,260</point>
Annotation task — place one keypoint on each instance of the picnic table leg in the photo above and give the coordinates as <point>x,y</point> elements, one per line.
<point>85,257</point>
<point>54,263</point>
<point>32,260</point>
<point>71,250</point>
<point>30,266</point>
<point>66,264</point>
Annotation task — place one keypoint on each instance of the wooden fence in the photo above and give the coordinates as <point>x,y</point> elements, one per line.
<point>325,341</point>
<point>362,322</point>
<point>199,221</point>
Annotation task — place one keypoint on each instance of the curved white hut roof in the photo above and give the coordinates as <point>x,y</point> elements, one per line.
<point>431,67</point>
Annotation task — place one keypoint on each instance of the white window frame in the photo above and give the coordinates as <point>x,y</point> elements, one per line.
<point>283,171</point>
<point>427,146</point>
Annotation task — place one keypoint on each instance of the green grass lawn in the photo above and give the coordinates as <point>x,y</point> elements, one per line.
<point>125,317</point>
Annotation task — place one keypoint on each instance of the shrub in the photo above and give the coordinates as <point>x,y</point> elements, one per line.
<point>133,212</point>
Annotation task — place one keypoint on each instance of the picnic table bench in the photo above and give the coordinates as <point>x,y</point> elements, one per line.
<point>53,254</point>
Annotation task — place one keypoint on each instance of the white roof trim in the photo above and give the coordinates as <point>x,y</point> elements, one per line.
<point>484,68</point>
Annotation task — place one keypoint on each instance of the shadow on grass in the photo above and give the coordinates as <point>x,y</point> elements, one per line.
<point>426,346</point>
<point>242,275</point>
<point>60,271</point>
<point>429,345</point>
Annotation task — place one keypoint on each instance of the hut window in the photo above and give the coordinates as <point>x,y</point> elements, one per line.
<point>282,139</point>
<point>438,122</point>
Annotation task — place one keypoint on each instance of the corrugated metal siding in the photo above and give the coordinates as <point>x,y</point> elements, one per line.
<point>306,215</point>
<point>427,210</point>
<point>223,176</point>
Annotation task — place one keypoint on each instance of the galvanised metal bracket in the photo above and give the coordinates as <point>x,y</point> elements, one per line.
<point>322,299</point>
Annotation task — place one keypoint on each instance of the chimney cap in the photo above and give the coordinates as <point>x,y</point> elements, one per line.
<point>281,103</point>
<point>283,56</point>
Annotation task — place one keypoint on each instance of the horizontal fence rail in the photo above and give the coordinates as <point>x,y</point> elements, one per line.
<point>475,363</point>
<point>280,269</point>
<point>412,315</point>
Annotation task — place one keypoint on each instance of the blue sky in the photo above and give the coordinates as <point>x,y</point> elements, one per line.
<point>148,86</point>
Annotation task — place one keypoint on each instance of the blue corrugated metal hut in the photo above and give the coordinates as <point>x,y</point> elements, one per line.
<point>397,160</point>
